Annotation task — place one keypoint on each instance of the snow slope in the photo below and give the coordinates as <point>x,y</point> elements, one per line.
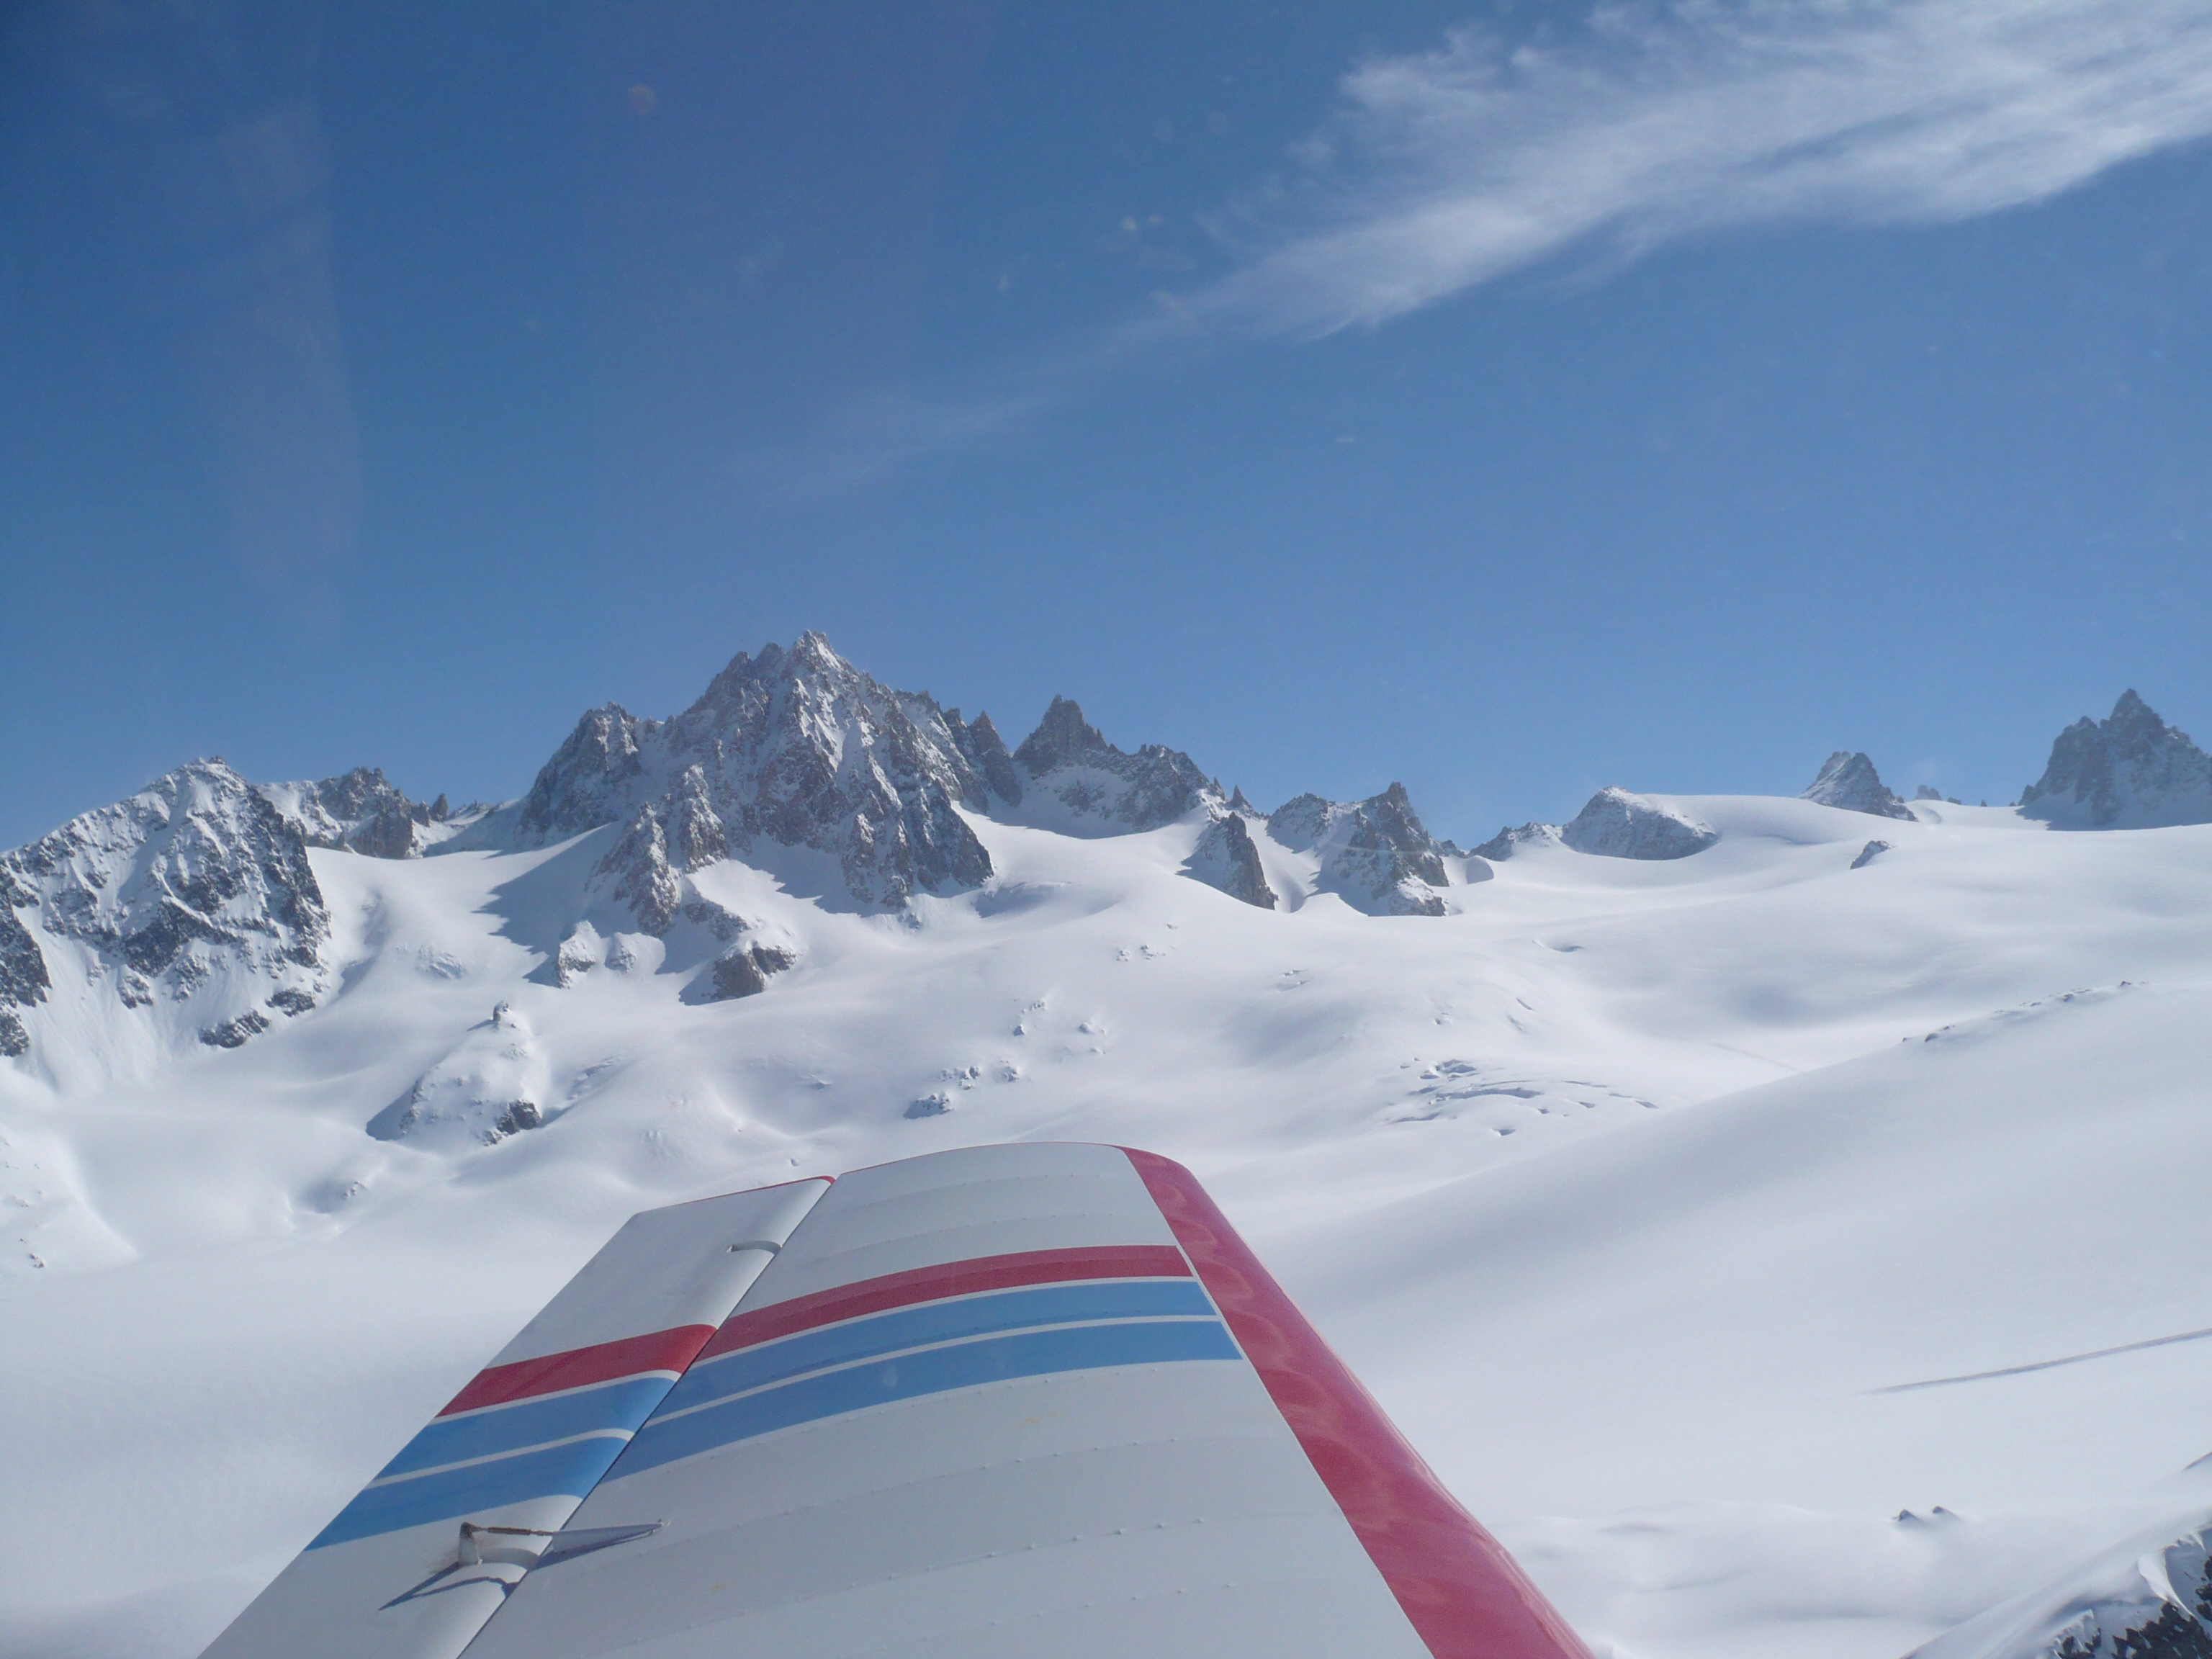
<point>1658,1200</point>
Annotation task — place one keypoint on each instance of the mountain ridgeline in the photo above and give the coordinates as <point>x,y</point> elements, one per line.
<point>195,903</point>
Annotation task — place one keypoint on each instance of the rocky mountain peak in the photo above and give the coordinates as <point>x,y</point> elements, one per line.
<point>1062,738</point>
<point>793,748</point>
<point>1849,780</point>
<point>2129,771</point>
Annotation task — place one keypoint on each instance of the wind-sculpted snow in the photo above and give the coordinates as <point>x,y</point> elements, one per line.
<point>2147,1597</point>
<point>2131,771</point>
<point>1081,784</point>
<point>1616,824</point>
<point>796,749</point>
<point>192,901</point>
<point>1374,853</point>
<point>1850,782</point>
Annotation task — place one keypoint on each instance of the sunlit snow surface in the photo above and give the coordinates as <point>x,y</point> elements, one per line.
<point>1641,1193</point>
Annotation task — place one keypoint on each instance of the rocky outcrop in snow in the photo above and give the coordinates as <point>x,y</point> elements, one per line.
<point>795,748</point>
<point>1850,782</point>
<point>2131,771</point>
<point>744,971</point>
<point>1374,853</point>
<point>194,898</point>
<point>1869,853</point>
<point>1079,784</point>
<point>1228,858</point>
<point>492,1085</point>
<point>1508,842</point>
<point>1616,824</point>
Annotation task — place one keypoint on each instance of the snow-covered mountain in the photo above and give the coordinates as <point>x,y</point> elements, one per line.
<point>2129,771</point>
<point>193,904</point>
<point>1784,1248</point>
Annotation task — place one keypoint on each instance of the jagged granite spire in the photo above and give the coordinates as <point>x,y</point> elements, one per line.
<point>2131,771</point>
<point>1850,782</point>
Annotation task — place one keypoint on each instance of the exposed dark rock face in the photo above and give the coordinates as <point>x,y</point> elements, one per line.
<point>1080,783</point>
<point>796,748</point>
<point>985,751</point>
<point>1226,857</point>
<point>1850,782</point>
<point>236,1033</point>
<point>1374,853</point>
<point>2132,771</point>
<point>23,980</point>
<point>195,879</point>
<point>1617,824</point>
<point>1869,853</point>
<point>746,972</point>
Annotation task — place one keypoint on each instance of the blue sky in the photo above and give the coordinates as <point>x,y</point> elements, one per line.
<point>1510,401</point>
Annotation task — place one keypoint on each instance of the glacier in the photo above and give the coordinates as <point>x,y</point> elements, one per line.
<point>1786,1251</point>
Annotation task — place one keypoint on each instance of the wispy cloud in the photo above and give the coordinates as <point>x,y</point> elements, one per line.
<point>1443,170</point>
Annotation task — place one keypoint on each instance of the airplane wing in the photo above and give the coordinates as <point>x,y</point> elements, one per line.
<point>1030,1401</point>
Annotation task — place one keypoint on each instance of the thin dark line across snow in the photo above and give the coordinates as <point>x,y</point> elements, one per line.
<point>2045,1365</point>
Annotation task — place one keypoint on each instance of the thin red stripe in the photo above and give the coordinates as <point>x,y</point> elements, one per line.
<point>603,1362</point>
<point>1464,1595</point>
<point>989,1272</point>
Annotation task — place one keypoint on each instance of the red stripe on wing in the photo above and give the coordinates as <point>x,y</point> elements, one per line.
<point>603,1362</point>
